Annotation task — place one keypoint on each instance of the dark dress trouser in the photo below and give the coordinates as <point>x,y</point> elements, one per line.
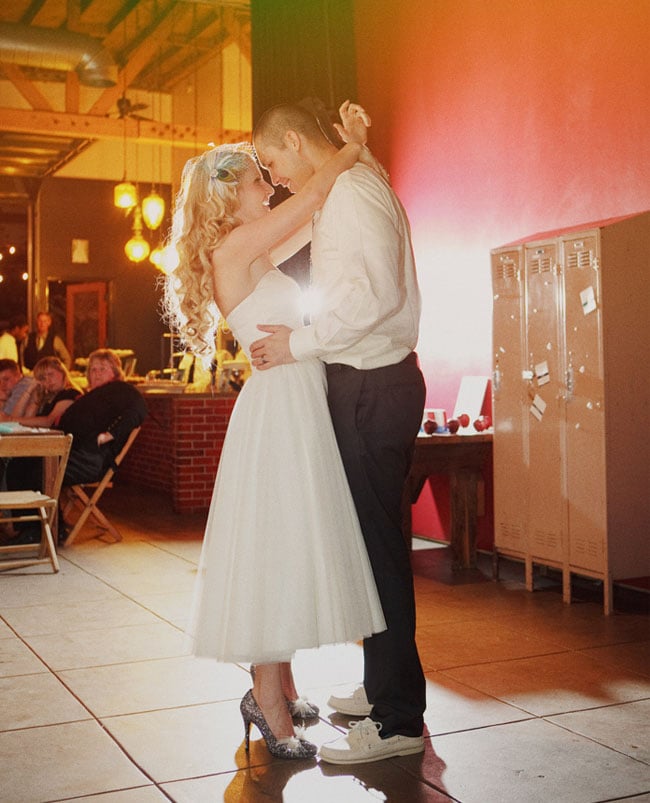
<point>376,415</point>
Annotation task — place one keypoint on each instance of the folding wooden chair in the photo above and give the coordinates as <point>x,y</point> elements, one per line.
<point>88,504</point>
<point>37,506</point>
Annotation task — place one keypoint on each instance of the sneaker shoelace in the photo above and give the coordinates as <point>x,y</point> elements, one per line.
<point>362,732</point>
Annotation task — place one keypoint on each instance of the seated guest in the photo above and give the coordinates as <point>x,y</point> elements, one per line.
<point>44,343</point>
<point>58,389</point>
<point>26,472</point>
<point>101,420</point>
<point>22,393</point>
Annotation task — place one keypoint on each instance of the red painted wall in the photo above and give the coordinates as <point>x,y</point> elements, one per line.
<point>497,120</point>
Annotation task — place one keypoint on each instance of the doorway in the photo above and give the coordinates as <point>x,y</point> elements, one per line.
<point>80,309</point>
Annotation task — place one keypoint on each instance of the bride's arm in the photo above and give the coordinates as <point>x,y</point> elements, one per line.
<point>250,240</point>
<point>291,244</point>
<point>354,125</point>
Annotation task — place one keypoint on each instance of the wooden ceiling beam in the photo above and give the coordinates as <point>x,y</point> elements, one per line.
<point>27,89</point>
<point>72,93</point>
<point>34,7</point>
<point>86,126</point>
<point>137,62</point>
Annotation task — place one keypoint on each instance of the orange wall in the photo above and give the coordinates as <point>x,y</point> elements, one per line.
<point>496,120</point>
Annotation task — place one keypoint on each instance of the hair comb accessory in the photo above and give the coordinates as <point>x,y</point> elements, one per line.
<point>224,175</point>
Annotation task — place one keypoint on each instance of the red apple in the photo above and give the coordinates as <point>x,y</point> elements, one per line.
<point>429,426</point>
<point>452,425</point>
<point>482,423</point>
<point>463,420</point>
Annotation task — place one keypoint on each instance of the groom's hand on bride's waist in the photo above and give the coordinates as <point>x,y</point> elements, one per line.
<point>267,352</point>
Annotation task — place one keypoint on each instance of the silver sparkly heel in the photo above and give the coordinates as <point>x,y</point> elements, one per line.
<point>300,709</point>
<point>291,747</point>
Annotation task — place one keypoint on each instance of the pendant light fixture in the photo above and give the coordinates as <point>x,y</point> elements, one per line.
<point>156,256</point>
<point>153,209</point>
<point>153,205</point>
<point>137,248</point>
<point>125,195</point>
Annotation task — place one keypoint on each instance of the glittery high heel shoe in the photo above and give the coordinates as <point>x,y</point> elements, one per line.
<point>290,747</point>
<point>300,709</point>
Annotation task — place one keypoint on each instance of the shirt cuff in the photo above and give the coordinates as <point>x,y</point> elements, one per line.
<point>302,343</point>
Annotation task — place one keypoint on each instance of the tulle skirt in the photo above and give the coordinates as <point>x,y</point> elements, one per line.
<point>283,565</point>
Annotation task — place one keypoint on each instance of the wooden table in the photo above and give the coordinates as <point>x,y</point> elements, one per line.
<point>462,457</point>
<point>36,444</point>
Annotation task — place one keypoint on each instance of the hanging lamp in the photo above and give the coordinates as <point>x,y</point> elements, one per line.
<point>153,209</point>
<point>125,195</point>
<point>156,257</point>
<point>137,248</point>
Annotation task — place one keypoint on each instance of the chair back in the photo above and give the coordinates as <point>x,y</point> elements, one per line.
<point>89,504</point>
<point>129,441</point>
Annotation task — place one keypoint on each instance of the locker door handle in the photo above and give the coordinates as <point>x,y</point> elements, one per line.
<point>569,383</point>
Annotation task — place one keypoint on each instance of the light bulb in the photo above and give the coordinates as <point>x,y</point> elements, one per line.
<point>170,260</point>
<point>153,210</point>
<point>137,248</point>
<point>125,195</point>
<point>156,257</point>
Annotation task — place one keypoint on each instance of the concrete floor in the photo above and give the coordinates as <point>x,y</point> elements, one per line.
<point>528,699</point>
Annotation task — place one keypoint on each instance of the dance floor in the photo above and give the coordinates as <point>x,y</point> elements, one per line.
<point>100,700</point>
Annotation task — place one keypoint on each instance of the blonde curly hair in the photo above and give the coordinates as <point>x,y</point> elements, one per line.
<point>204,213</point>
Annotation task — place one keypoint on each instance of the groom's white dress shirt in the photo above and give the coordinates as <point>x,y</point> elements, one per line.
<point>366,299</point>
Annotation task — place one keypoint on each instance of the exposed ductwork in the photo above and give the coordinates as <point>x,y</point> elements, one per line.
<point>58,49</point>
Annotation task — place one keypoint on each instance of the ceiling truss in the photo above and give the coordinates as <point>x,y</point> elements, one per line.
<point>154,44</point>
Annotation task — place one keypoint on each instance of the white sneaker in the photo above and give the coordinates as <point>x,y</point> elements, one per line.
<point>355,705</point>
<point>362,744</point>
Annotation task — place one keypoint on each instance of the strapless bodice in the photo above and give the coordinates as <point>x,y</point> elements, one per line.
<point>276,299</point>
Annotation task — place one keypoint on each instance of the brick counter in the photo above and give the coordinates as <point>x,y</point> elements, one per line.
<point>178,449</point>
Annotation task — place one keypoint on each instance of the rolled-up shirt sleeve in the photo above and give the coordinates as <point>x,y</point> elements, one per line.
<point>358,258</point>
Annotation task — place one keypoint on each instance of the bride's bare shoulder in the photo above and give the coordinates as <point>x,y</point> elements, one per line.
<point>234,281</point>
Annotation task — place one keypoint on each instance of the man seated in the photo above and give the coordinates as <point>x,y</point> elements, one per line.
<point>21,394</point>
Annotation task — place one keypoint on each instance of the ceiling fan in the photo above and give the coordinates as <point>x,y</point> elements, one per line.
<point>126,108</point>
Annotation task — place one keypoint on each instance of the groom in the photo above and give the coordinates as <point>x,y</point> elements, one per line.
<point>364,273</point>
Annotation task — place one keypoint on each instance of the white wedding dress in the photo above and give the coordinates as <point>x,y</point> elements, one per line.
<point>284,565</point>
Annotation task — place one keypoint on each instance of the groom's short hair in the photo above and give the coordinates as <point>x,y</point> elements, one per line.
<point>276,121</point>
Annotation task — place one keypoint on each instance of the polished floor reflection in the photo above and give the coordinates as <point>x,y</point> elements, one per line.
<point>528,699</point>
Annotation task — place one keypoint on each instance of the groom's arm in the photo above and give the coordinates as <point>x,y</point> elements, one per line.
<point>267,352</point>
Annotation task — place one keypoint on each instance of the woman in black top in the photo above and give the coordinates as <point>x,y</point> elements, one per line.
<point>100,420</point>
<point>59,391</point>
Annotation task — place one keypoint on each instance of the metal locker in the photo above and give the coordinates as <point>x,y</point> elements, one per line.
<point>581,498</point>
<point>584,409</point>
<point>510,448</point>
<point>546,509</point>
